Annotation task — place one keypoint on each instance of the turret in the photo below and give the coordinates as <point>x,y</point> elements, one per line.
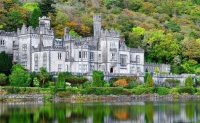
<point>97,25</point>
<point>44,22</point>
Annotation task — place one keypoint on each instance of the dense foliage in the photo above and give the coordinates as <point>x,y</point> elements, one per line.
<point>19,77</point>
<point>189,82</point>
<point>97,78</point>
<point>5,63</point>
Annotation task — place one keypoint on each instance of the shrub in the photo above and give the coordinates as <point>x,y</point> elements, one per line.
<point>87,84</point>
<point>36,82</point>
<point>107,91</point>
<point>21,90</point>
<point>162,90</point>
<point>139,91</point>
<point>76,80</point>
<point>189,82</point>
<point>187,90</point>
<point>149,82</point>
<point>97,78</point>
<point>133,84</point>
<point>171,82</point>
<point>174,91</point>
<point>45,90</point>
<point>120,83</point>
<point>3,79</point>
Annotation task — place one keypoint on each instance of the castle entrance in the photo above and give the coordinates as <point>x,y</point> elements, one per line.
<point>111,70</point>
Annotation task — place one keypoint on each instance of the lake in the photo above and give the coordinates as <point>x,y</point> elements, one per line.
<point>176,111</point>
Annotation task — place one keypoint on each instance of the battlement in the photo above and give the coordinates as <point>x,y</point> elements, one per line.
<point>136,50</point>
<point>3,33</point>
<point>44,18</point>
<point>110,33</point>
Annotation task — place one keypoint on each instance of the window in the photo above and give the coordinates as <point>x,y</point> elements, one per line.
<point>36,62</point>
<point>113,56</point>
<point>91,56</point>
<point>123,61</point>
<point>84,68</point>
<point>138,70</point>
<point>79,54</point>
<point>59,67</point>
<point>45,60</point>
<point>24,47</point>
<point>99,67</point>
<point>112,45</point>
<point>99,57</point>
<point>67,55</point>
<point>59,56</point>
<point>137,58</point>
<point>2,43</point>
<point>91,67</point>
<point>132,69</point>
<point>84,54</point>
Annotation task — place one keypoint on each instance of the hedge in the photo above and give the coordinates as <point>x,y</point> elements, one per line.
<point>107,91</point>
<point>21,90</point>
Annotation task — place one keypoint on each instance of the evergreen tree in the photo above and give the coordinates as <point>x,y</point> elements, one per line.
<point>97,78</point>
<point>60,83</point>
<point>34,17</point>
<point>149,82</point>
<point>189,82</point>
<point>5,63</point>
<point>146,75</point>
<point>46,7</point>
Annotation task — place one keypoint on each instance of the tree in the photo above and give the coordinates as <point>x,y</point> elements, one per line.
<point>15,19</point>
<point>60,83</point>
<point>46,7</point>
<point>157,70</point>
<point>43,75</point>
<point>34,17</point>
<point>3,79</point>
<point>97,78</point>
<point>189,82</point>
<point>19,77</point>
<point>5,63</point>
<point>36,82</point>
<point>149,82</point>
<point>145,76</point>
<point>173,26</point>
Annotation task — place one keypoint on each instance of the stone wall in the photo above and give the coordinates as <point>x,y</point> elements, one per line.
<point>38,97</point>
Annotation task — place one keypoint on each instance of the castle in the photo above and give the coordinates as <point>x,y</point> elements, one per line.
<point>105,51</point>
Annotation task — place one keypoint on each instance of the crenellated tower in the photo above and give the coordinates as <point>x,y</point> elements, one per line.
<point>44,22</point>
<point>97,25</point>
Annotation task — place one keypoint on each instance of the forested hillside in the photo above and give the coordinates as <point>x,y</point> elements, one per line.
<point>168,30</point>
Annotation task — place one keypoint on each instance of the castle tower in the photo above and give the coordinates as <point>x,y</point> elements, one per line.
<point>44,22</point>
<point>97,25</point>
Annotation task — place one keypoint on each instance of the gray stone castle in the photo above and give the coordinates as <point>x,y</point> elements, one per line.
<point>105,51</point>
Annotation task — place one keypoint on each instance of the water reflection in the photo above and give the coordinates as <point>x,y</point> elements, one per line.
<point>132,112</point>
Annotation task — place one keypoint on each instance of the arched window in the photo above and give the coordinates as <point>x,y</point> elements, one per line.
<point>45,60</point>
<point>36,62</point>
<point>137,58</point>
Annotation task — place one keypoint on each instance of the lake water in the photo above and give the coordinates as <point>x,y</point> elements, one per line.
<point>179,111</point>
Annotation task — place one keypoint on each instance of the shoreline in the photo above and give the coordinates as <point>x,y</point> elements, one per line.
<point>93,98</point>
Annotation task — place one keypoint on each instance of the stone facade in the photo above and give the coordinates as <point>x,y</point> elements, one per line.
<point>105,51</point>
<point>162,67</point>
